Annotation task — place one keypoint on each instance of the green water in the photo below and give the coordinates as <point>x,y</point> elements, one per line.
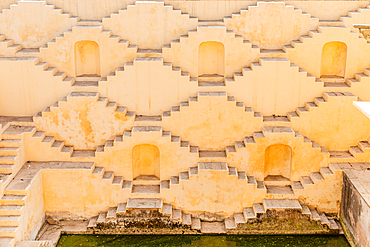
<point>204,240</point>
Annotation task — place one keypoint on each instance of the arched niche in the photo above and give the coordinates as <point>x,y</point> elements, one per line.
<point>146,162</point>
<point>278,162</point>
<point>211,59</point>
<point>333,61</point>
<point>87,58</point>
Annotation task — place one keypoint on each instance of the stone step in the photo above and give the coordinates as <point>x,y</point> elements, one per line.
<point>139,203</point>
<point>101,218</point>
<point>156,118</point>
<point>249,213</point>
<point>278,204</point>
<point>277,180</point>
<point>7,159</point>
<point>314,215</point>
<point>239,218</point>
<point>92,222</point>
<point>146,189</point>
<point>316,176</point>
<point>306,181</point>
<point>167,209</point>
<point>230,223</point>
<point>8,231</point>
<point>10,143</point>
<point>186,219</point>
<point>9,220</point>
<point>213,228</point>
<point>9,150</point>
<point>297,185</point>
<point>6,168</point>
<point>281,190</point>
<point>111,213</point>
<point>176,214</point>
<point>11,209</point>
<point>258,208</point>
<point>212,154</point>
<point>195,223</point>
<point>13,200</point>
<point>83,154</point>
<point>7,241</point>
<point>121,209</point>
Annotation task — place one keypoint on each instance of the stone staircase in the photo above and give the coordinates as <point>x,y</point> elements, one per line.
<point>309,106</point>
<point>12,156</point>
<point>153,59</point>
<point>125,212</point>
<point>256,65</point>
<point>185,104</point>
<point>14,201</point>
<point>134,204</point>
<point>251,214</point>
<point>10,49</point>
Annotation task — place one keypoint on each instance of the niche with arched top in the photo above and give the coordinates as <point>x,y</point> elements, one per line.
<point>145,162</point>
<point>333,60</point>
<point>211,58</point>
<point>278,161</point>
<point>87,58</point>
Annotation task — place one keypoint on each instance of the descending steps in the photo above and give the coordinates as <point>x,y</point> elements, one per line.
<point>250,214</point>
<point>14,201</point>
<point>256,65</point>
<point>137,204</point>
<point>8,47</point>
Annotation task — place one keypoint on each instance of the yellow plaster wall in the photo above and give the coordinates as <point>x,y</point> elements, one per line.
<point>335,124</point>
<point>212,122</point>
<point>216,10</point>
<point>274,86</point>
<point>33,215</point>
<point>85,196</point>
<point>145,160</point>
<point>26,88</point>
<point>113,54</point>
<point>84,122</point>
<point>149,93</point>
<point>185,53</point>
<point>305,158</point>
<point>278,160</point>
<point>173,158</point>
<point>333,59</point>
<point>33,23</point>
<point>271,25</point>
<point>311,49</point>
<point>91,9</point>
<point>150,25</point>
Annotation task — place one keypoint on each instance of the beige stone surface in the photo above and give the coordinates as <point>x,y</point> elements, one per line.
<point>199,109</point>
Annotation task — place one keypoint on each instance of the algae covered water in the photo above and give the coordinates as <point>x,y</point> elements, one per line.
<point>204,240</point>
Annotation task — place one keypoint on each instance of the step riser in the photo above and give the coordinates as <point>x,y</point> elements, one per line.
<point>13,202</point>
<point>11,212</point>
<point>8,152</point>
<point>7,161</point>
<point>8,234</point>
<point>9,223</point>
<point>10,144</point>
<point>6,170</point>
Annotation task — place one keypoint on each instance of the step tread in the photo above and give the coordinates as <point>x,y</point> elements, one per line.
<point>139,203</point>
<point>146,189</point>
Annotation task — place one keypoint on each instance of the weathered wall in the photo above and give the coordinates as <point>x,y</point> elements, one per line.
<point>150,25</point>
<point>32,24</point>
<point>355,210</point>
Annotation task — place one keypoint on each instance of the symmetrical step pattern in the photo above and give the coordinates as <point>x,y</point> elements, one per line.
<point>250,214</point>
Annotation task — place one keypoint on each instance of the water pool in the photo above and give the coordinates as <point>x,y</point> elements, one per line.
<point>203,240</point>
